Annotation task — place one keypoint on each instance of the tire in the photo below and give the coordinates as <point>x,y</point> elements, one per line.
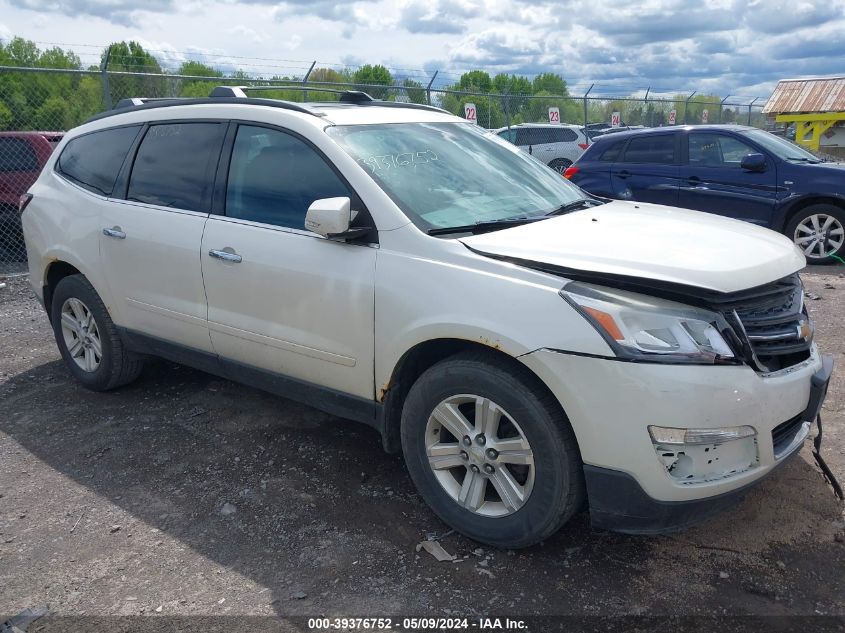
<point>802,225</point>
<point>554,483</point>
<point>560,164</point>
<point>115,366</point>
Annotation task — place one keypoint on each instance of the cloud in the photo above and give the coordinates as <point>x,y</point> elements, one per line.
<point>124,12</point>
<point>421,16</point>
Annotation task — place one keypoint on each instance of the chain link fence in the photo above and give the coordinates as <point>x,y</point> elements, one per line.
<point>38,104</point>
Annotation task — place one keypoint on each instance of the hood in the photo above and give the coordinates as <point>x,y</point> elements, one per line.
<point>650,241</point>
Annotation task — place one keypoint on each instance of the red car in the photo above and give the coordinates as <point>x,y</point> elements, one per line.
<point>22,156</point>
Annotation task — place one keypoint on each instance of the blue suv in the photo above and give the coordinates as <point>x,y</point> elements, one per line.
<point>730,170</point>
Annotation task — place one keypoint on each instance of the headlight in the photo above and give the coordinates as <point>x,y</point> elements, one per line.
<point>640,327</point>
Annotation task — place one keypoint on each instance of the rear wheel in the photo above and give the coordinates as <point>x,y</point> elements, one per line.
<point>560,164</point>
<point>819,231</point>
<point>88,339</point>
<point>490,451</point>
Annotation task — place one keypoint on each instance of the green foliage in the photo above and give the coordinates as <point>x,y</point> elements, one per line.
<point>550,83</point>
<point>415,91</point>
<point>369,76</point>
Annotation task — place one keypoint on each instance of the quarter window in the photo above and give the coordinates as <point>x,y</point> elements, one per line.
<point>175,164</point>
<point>649,148</point>
<point>17,155</point>
<point>717,150</point>
<point>274,177</point>
<point>93,161</point>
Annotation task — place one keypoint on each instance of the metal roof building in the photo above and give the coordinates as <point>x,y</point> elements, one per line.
<point>813,104</point>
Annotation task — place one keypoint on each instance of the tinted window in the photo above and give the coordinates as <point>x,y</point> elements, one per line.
<point>612,153</point>
<point>651,149</point>
<point>17,155</point>
<point>94,160</point>
<point>175,164</point>
<point>717,150</point>
<point>564,135</point>
<point>274,177</point>
<point>509,135</point>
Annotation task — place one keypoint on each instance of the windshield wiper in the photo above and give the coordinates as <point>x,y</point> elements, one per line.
<point>583,203</point>
<point>484,226</point>
<point>804,159</point>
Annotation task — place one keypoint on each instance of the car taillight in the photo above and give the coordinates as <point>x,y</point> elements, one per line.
<point>583,145</point>
<point>570,171</point>
<point>23,201</point>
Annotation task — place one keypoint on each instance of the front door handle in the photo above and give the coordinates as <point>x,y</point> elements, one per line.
<point>115,231</point>
<point>624,173</point>
<point>226,256</point>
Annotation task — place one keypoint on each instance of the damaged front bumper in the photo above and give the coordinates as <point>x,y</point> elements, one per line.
<point>611,404</point>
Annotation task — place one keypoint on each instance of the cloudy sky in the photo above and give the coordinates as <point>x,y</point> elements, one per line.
<point>720,46</point>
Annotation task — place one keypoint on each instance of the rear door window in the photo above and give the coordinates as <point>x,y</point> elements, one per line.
<point>175,163</point>
<point>611,154</point>
<point>93,160</point>
<point>564,135</point>
<point>659,149</point>
<point>16,154</point>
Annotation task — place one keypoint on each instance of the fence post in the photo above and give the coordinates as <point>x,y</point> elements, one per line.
<point>585,113</point>
<point>645,105</point>
<point>722,107</point>
<point>686,106</point>
<point>749,109</point>
<point>104,70</point>
<point>305,80</point>
<point>428,88</point>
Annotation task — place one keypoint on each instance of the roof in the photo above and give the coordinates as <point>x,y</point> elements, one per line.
<point>808,95</point>
<point>623,134</point>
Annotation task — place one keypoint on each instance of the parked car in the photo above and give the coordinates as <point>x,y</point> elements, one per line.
<point>22,155</point>
<point>527,347</point>
<point>556,145</point>
<point>730,170</point>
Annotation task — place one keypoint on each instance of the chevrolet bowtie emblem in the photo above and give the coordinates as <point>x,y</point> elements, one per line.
<point>804,330</point>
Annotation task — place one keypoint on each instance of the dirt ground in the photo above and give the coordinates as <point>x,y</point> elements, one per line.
<point>184,494</point>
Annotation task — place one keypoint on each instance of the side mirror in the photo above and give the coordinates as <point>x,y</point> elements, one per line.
<point>331,217</point>
<point>753,162</point>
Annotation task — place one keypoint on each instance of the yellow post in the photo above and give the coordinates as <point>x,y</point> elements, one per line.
<point>810,127</point>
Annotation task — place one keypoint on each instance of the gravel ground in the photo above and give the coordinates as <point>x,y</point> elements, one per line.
<point>184,494</point>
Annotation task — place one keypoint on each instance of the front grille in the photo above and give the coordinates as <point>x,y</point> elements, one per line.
<point>784,433</point>
<point>770,322</point>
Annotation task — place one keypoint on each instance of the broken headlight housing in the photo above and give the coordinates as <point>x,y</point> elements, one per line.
<point>640,327</point>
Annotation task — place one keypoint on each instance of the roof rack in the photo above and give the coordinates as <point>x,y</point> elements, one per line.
<point>237,94</point>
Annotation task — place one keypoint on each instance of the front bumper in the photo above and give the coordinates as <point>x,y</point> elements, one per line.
<point>610,405</point>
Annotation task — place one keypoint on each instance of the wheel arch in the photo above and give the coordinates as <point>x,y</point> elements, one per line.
<point>55,271</point>
<point>805,201</point>
<point>417,360</point>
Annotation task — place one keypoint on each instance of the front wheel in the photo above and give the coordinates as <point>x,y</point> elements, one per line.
<point>560,164</point>
<point>819,231</point>
<point>490,451</point>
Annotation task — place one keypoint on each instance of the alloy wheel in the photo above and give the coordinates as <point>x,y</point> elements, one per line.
<point>81,336</point>
<point>819,235</point>
<point>479,455</point>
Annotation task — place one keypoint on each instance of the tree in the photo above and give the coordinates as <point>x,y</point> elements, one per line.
<point>550,83</point>
<point>368,76</point>
<point>475,81</point>
<point>197,88</point>
<point>414,91</point>
<point>131,57</point>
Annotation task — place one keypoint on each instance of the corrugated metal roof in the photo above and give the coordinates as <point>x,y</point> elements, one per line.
<point>815,94</point>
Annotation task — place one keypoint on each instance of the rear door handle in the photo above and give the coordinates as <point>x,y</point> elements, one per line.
<point>226,256</point>
<point>624,173</point>
<point>114,232</point>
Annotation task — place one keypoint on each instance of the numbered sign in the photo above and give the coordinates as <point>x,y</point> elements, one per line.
<point>705,116</point>
<point>615,119</point>
<point>672,115</point>
<point>470,113</point>
<point>554,115</point>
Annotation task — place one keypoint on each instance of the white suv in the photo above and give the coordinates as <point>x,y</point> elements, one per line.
<point>529,348</point>
<point>556,145</point>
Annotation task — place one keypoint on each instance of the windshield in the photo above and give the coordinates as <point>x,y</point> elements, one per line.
<point>780,147</point>
<point>454,174</point>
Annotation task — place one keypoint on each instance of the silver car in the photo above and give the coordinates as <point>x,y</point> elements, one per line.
<point>556,145</point>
